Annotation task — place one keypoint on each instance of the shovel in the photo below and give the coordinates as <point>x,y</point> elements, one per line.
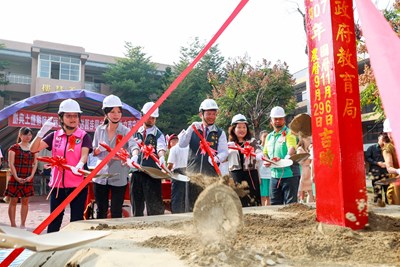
<point>282,163</point>
<point>152,172</point>
<point>300,156</point>
<point>175,176</point>
<point>387,181</point>
<point>17,238</point>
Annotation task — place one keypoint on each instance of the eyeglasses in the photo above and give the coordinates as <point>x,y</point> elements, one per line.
<point>71,116</point>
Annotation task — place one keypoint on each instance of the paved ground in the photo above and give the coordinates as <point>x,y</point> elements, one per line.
<point>39,210</point>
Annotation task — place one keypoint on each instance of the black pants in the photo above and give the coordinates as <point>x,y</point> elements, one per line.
<point>101,194</point>
<point>145,189</point>
<point>284,191</point>
<point>77,206</point>
<point>253,198</point>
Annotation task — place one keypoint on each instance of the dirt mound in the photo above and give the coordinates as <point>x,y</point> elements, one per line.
<point>293,241</point>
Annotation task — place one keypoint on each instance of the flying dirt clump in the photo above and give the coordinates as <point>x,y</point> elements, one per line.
<point>217,214</point>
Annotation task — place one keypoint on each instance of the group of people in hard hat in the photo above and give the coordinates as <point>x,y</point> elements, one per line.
<point>188,155</point>
<point>74,145</point>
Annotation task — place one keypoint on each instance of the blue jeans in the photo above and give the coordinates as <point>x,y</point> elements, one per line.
<point>77,206</point>
<point>178,196</point>
<point>284,191</point>
<point>101,194</point>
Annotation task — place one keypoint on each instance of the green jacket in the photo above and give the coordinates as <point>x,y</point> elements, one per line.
<point>277,145</point>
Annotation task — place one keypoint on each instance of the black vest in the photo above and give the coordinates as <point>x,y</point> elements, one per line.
<point>151,139</point>
<point>197,162</point>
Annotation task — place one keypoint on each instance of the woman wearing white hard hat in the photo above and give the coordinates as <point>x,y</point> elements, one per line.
<point>145,190</point>
<point>111,133</point>
<point>243,168</point>
<point>74,145</point>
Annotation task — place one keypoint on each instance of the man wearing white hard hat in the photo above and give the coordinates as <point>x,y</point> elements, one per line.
<point>279,144</point>
<point>216,137</point>
<point>145,189</point>
<point>74,145</point>
<point>110,132</point>
<point>392,165</point>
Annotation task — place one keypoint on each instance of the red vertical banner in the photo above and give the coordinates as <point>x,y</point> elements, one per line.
<point>336,114</point>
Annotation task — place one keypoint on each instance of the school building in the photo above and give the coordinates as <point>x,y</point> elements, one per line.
<point>42,67</point>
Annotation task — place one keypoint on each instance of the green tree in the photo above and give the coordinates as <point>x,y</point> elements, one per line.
<point>370,94</point>
<point>181,107</point>
<point>134,78</point>
<point>252,91</point>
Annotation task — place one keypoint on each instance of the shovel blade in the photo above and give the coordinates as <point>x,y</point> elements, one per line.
<point>180,177</point>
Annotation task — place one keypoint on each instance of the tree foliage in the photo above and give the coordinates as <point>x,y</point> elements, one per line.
<point>252,91</point>
<point>370,95</point>
<point>134,78</point>
<point>181,107</point>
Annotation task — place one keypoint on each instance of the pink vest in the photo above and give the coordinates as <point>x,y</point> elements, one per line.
<point>72,153</point>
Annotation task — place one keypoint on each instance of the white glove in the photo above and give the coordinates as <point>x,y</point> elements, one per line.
<point>398,171</point>
<point>46,127</point>
<point>132,160</point>
<point>216,159</point>
<point>287,157</point>
<point>76,169</point>
<point>190,128</point>
<point>259,156</point>
<point>162,161</point>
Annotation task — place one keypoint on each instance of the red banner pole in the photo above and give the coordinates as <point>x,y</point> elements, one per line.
<point>14,254</point>
<point>335,112</point>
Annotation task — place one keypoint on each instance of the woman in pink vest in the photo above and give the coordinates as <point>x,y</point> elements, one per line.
<point>73,144</point>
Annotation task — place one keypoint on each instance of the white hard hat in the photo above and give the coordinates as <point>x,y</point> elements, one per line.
<point>69,105</point>
<point>111,101</point>
<point>239,118</point>
<point>277,112</point>
<point>386,126</point>
<point>208,104</point>
<point>147,107</point>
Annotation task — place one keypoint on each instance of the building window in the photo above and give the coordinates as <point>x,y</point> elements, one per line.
<point>59,67</point>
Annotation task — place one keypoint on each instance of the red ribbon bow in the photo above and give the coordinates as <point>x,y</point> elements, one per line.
<point>121,154</point>
<point>204,146</point>
<point>147,151</point>
<point>55,161</point>
<point>71,142</point>
<point>247,150</point>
